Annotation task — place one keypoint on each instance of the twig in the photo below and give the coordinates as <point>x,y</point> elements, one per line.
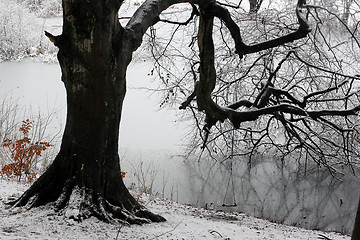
<point>324,237</point>
<point>167,231</point>
<point>213,231</point>
<point>128,216</point>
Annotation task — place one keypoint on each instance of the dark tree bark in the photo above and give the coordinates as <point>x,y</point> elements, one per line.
<point>255,5</point>
<point>356,231</point>
<point>94,52</point>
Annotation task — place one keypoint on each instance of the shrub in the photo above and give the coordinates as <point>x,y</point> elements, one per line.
<point>23,152</point>
<point>43,8</point>
<point>21,33</point>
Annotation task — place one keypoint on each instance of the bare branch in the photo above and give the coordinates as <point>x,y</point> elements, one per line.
<point>339,18</point>
<point>194,12</point>
<point>147,15</point>
<point>243,49</point>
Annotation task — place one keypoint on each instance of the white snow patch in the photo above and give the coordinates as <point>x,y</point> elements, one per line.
<point>184,222</point>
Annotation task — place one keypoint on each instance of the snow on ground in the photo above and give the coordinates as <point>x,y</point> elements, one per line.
<point>184,222</point>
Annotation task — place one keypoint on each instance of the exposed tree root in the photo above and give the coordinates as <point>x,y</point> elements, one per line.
<point>81,203</point>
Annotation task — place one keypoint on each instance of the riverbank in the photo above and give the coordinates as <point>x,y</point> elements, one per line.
<point>183,222</point>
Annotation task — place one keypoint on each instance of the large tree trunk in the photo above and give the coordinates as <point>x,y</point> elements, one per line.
<point>94,52</point>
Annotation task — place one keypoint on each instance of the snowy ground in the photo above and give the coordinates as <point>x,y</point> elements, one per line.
<point>184,222</point>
